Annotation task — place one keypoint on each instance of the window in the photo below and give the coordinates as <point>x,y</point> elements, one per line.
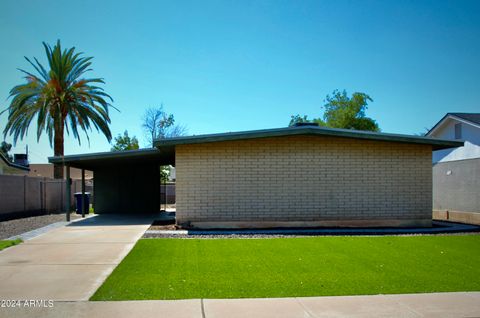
<point>458,131</point>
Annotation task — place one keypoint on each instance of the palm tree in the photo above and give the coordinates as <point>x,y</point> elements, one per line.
<point>61,99</point>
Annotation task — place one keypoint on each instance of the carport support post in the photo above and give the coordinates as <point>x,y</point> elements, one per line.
<point>68,193</point>
<point>83,193</point>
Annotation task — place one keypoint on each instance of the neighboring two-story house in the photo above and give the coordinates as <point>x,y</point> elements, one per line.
<point>459,126</point>
<point>456,171</point>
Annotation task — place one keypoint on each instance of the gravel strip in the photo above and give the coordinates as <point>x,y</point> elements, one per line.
<point>148,235</point>
<point>439,228</point>
<point>37,232</point>
<point>272,236</point>
<point>20,226</point>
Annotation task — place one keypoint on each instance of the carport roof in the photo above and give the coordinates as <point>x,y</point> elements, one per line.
<point>436,144</point>
<point>92,161</point>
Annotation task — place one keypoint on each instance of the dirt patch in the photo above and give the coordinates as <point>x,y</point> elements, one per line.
<point>170,227</point>
<point>163,225</point>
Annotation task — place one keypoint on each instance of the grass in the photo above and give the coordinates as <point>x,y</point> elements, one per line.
<point>7,243</point>
<point>287,267</point>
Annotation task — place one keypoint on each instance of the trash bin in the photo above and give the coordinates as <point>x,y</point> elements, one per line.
<point>78,198</point>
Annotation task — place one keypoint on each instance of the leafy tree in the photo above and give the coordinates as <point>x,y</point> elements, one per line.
<point>164,173</point>
<point>297,119</point>
<point>158,124</point>
<point>5,148</point>
<point>60,99</point>
<point>342,111</point>
<point>125,142</point>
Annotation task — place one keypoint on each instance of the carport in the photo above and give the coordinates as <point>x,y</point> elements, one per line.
<point>124,181</point>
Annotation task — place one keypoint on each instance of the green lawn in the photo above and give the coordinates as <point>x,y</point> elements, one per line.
<point>8,243</point>
<point>237,268</point>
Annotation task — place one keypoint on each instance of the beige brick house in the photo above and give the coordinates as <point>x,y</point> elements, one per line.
<point>301,176</point>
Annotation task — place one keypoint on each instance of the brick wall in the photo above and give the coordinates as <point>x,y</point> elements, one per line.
<point>302,181</point>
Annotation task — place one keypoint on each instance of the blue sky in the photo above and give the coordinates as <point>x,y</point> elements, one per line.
<point>239,65</point>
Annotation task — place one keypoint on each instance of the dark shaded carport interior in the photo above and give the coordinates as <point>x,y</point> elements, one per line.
<point>124,181</point>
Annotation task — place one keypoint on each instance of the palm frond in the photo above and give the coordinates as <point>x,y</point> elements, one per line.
<point>59,98</point>
<point>38,67</point>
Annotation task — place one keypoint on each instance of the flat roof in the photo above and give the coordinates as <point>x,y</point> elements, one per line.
<point>91,161</point>
<point>437,144</point>
<point>164,153</point>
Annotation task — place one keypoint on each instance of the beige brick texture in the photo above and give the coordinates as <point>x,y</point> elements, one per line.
<point>303,180</point>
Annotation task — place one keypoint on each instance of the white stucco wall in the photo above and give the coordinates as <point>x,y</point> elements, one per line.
<point>471,136</point>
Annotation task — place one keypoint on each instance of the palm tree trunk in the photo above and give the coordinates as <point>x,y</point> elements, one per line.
<point>58,150</point>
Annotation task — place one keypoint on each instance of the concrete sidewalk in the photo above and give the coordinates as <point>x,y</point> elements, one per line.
<point>411,305</point>
<point>69,263</point>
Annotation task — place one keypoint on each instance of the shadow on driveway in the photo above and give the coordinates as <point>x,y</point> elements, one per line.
<point>116,220</point>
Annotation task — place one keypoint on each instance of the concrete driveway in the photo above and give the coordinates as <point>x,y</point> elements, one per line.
<point>71,262</point>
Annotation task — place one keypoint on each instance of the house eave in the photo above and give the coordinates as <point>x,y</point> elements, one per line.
<point>444,119</point>
<point>311,131</point>
<point>133,157</point>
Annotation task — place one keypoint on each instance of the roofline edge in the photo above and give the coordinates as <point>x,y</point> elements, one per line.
<point>341,133</point>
